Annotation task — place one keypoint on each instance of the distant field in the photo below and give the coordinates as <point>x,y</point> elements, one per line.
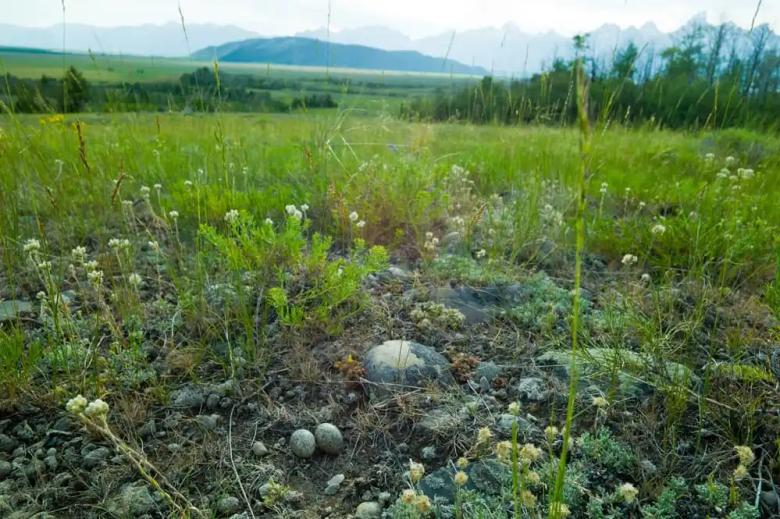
<point>117,68</point>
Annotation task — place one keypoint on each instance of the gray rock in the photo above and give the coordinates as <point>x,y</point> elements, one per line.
<point>68,297</point>
<point>451,242</point>
<point>62,424</point>
<point>334,484</point>
<point>488,370</point>
<point>7,443</point>
<point>242,515</point>
<point>302,443</point>
<point>439,421</point>
<point>368,510</point>
<point>649,467</point>
<point>188,398</point>
<point>259,449</point>
<point>212,402</point>
<point>228,505</point>
<point>531,389</point>
<point>11,310</point>
<point>397,365</point>
<point>395,272</point>
<point>484,385</point>
<point>769,497</point>
<point>385,498</point>
<point>50,462</point>
<point>338,479</point>
<point>329,438</point>
<point>479,305</point>
<point>428,453</point>
<point>264,490</point>
<point>149,429</point>
<point>210,422</point>
<point>134,500</point>
<point>95,458</point>
<point>524,427</point>
<point>5,469</point>
<point>487,477</point>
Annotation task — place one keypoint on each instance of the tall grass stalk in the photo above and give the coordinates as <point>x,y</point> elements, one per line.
<point>582,109</point>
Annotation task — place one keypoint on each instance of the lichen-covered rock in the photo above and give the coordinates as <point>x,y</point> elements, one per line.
<point>10,310</point>
<point>228,505</point>
<point>531,389</point>
<point>329,438</point>
<point>398,365</point>
<point>134,500</point>
<point>524,427</point>
<point>95,458</point>
<point>487,477</point>
<point>368,510</point>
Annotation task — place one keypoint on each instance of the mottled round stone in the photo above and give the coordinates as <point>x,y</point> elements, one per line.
<point>329,438</point>
<point>302,443</point>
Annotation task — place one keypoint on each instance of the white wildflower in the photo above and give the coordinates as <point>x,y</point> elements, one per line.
<point>730,160</point>
<point>135,280</point>
<point>709,157</point>
<point>629,260</point>
<point>645,278</point>
<point>127,203</point>
<point>658,229</point>
<point>353,216</point>
<point>76,405</point>
<point>96,408</point>
<point>628,492</point>
<point>290,209</point>
<point>41,296</point>
<point>95,277</point>
<point>91,265</point>
<point>269,221</point>
<point>114,243</point>
<point>45,266</point>
<point>481,253</point>
<point>428,235</point>
<point>154,246</point>
<point>305,207</point>
<point>32,245</point>
<point>188,184</point>
<point>145,192</point>
<point>174,215</point>
<point>231,216</point>
<point>79,254</point>
<point>297,215</point>
<point>360,224</point>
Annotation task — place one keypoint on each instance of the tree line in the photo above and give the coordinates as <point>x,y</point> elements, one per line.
<point>712,77</point>
<point>199,91</point>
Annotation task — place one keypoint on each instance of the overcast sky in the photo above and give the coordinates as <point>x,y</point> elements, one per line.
<point>414,17</point>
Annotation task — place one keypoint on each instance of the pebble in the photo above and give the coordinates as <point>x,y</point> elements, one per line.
<point>259,449</point>
<point>338,479</point>
<point>95,458</point>
<point>302,443</point>
<point>368,510</point>
<point>228,505</point>
<point>484,385</point>
<point>329,438</point>
<point>429,453</point>
<point>7,444</point>
<point>209,422</point>
<point>385,497</point>
<point>50,462</point>
<point>212,402</point>
<point>5,469</point>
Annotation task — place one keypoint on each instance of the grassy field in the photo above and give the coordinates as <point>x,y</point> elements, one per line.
<point>213,283</point>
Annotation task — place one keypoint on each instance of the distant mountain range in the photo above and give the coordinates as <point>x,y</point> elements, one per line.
<point>509,50</point>
<point>312,52</point>
<point>505,50</point>
<point>141,40</point>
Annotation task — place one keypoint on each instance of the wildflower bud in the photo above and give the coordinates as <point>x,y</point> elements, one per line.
<point>551,432</point>
<point>154,246</point>
<point>503,450</point>
<point>600,401</point>
<point>514,408</point>
<point>91,265</point>
<point>460,478</point>
<point>745,454</point>
<point>95,277</point>
<point>463,463</point>
<point>484,435</point>
<point>79,254</point>
<point>529,453</point>
<point>428,235</point>
<point>423,504</point>
<point>740,473</point>
<point>174,215</point>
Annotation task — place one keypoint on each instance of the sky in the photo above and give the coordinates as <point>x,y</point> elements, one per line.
<point>415,18</point>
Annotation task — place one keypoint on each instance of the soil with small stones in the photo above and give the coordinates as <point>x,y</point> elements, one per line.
<point>204,437</point>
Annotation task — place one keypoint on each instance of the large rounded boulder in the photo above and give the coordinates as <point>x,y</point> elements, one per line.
<point>404,365</point>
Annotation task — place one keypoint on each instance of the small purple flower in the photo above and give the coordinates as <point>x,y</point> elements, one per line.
<point>392,147</point>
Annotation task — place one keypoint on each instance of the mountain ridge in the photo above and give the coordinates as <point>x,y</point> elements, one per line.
<point>300,51</point>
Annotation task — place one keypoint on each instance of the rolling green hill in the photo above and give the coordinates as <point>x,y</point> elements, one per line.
<point>309,52</point>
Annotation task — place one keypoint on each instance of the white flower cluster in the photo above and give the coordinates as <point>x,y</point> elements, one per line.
<point>116,244</point>
<point>95,409</point>
<point>658,229</point>
<point>294,212</point>
<point>95,277</point>
<point>746,173</point>
<point>231,216</point>
<point>135,280</point>
<point>79,254</point>
<point>603,189</point>
<point>629,260</point>
<point>32,245</point>
<point>145,192</point>
<point>174,215</point>
<point>430,242</point>
<point>550,215</point>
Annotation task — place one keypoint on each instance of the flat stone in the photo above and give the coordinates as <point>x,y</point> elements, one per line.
<point>188,398</point>
<point>5,469</point>
<point>399,365</point>
<point>484,385</point>
<point>259,449</point>
<point>134,500</point>
<point>488,370</point>
<point>338,479</point>
<point>11,310</point>
<point>487,477</point>
<point>399,273</point>
<point>531,389</point>
<point>368,510</point>
<point>7,443</point>
<point>228,505</point>
<point>524,427</point>
<point>95,458</point>
<point>210,422</point>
